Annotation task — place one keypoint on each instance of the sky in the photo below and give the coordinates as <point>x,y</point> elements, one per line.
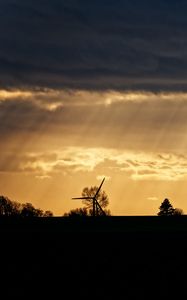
<point>94,89</point>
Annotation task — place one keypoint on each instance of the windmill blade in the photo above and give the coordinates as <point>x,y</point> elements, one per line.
<point>78,198</point>
<point>97,203</point>
<point>99,188</point>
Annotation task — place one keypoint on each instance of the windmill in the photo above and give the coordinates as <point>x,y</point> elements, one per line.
<point>96,205</point>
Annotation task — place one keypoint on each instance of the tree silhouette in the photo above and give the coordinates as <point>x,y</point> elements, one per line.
<point>13,208</point>
<point>102,199</point>
<point>28,210</point>
<point>166,208</point>
<point>8,207</point>
<point>178,212</point>
<point>87,210</point>
<point>77,212</point>
<point>48,213</point>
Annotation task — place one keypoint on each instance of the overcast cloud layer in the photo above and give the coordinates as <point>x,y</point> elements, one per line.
<point>94,44</point>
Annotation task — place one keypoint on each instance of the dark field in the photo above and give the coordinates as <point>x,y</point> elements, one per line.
<point>112,257</point>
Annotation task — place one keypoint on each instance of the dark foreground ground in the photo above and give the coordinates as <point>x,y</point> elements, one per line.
<point>112,257</point>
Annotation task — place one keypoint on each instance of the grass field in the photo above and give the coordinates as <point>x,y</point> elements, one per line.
<point>112,257</point>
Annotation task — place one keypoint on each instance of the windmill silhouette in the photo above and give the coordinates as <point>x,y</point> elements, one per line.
<point>96,205</point>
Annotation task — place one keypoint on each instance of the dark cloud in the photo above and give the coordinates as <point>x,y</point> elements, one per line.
<point>94,44</point>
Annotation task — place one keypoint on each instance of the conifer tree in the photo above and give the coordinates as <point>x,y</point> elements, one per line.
<point>166,208</point>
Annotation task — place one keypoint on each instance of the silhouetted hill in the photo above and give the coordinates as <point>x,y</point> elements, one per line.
<point>112,257</point>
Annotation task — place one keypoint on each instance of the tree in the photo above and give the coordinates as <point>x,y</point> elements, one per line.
<point>77,212</point>
<point>16,208</point>
<point>13,208</point>
<point>48,213</point>
<point>87,210</point>
<point>102,199</point>
<point>8,207</point>
<point>166,208</point>
<point>178,212</point>
<point>28,210</point>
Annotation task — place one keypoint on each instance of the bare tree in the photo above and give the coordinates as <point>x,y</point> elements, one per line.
<point>102,199</point>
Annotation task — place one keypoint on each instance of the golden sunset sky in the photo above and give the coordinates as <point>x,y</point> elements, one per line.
<point>91,90</point>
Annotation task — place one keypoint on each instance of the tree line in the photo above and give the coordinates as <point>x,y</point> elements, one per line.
<point>13,208</point>
<point>165,209</point>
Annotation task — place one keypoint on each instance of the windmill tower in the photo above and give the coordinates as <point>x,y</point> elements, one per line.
<point>96,206</point>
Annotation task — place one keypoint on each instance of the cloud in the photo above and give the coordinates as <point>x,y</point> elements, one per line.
<point>45,98</point>
<point>96,46</point>
<point>47,118</point>
<point>74,160</point>
<point>153,198</point>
